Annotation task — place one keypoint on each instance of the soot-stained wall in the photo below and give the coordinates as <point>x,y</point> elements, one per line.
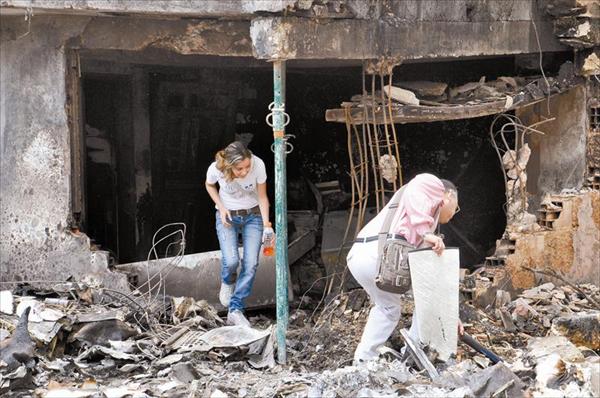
<point>35,165</point>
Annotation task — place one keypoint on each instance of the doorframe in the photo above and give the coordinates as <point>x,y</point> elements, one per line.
<point>74,109</point>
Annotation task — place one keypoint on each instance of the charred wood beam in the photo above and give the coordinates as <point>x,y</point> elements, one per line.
<point>420,114</point>
<point>417,114</point>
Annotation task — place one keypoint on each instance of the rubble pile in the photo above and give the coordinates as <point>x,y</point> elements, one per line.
<point>511,90</point>
<point>327,340</point>
<point>81,340</point>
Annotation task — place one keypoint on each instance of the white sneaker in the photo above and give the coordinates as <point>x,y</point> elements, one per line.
<point>236,317</point>
<point>225,294</point>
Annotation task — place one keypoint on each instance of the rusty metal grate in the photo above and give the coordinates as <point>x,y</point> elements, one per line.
<point>595,118</point>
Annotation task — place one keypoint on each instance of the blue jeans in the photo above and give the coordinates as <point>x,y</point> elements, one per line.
<point>251,228</point>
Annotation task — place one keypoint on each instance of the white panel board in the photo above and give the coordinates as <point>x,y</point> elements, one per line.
<point>435,290</point>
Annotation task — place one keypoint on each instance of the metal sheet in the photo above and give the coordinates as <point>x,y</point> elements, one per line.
<point>435,290</point>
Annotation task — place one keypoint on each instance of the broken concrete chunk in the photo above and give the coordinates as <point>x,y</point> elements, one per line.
<point>128,346</point>
<point>512,159</point>
<point>509,81</point>
<point>485,91</point>
<point>425,88</point>
<point>496,381</point>
<point>169,360</point>
<point>19,378</point>
<point>591,65</point>
<point>218,394</point>
<point>69,393</point>
<point>102,332</point>
<point>100,316</point>
<point>51,314</point>
<point>523,310</point>
<point>44,331</point>
<point>6,302</point>
<point>98,349</point>
<point>543,346</point>
<point>401,95</point>
<point>388,167</point>
<point>184,372</point>
<point>581,329</point>
<point>121,392</point>
<point>548,369</point>
<point>36,308</point>
<point>594,376</point>
<point>465,88</point>
<point>507,321</point>
<point>502,298</point>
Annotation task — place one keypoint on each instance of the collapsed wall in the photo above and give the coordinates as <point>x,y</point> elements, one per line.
<point>562,241</point>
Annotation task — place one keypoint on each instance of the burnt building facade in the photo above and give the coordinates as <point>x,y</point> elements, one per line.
<point>113,110</point>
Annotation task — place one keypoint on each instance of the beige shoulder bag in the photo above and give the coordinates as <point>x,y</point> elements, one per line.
<point>392,254</point>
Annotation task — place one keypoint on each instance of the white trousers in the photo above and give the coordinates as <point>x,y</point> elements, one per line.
<point>385,312</point>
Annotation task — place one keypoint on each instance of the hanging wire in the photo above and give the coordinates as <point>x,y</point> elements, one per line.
<point>513,125</point>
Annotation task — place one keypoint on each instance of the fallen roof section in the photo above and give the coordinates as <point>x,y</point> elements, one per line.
<point>477,100</point>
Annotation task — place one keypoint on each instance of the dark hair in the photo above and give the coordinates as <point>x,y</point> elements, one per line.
<point>449,187</point>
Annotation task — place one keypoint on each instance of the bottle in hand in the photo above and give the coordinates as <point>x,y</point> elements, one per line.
<point>269,246</point>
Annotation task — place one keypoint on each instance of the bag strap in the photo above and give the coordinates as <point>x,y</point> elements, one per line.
<point>389,217</point>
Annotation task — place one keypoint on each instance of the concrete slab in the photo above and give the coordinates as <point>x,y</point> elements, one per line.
<point>198,275</point>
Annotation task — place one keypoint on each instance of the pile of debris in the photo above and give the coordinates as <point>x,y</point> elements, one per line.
<point>422,101</point>
<point>513,90</point>
<point>82,340</point>
<point>77,340</point>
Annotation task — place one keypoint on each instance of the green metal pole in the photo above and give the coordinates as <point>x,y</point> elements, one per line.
<point>281,245</point>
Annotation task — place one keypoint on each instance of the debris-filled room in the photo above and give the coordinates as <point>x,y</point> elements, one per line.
<point>282,198</point>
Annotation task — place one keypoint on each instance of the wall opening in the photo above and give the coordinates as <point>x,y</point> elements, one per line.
<point>152,127</point>
<point>110,207</point>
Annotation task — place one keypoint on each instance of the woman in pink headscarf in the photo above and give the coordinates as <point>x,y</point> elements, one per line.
<point>425,202</point>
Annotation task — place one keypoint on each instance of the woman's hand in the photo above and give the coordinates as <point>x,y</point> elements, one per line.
<point>225,216</point>
<point>437,243</point>
<point>268,234</point>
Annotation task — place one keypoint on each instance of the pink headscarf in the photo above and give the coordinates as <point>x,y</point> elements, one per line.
<point>420,202</point>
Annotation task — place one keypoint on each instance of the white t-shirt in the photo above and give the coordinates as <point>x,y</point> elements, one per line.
<point>240,193</point>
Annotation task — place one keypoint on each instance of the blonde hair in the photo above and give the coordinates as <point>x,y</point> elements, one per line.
<point>228,157</point>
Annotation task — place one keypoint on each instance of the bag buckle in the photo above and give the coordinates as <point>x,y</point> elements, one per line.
<point>398,280</point>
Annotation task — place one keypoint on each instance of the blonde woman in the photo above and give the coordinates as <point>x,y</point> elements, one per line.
<point>242,208</point>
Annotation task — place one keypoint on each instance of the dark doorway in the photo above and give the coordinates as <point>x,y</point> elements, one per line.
<point>152,132</point>
<point>110,202</point>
